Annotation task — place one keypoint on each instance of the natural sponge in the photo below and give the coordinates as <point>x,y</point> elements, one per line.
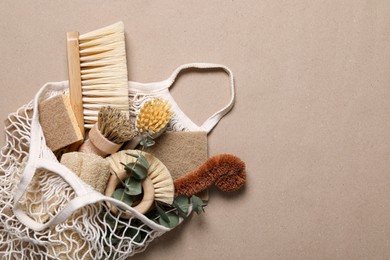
<point>92,169</point>
<point>59,123</point>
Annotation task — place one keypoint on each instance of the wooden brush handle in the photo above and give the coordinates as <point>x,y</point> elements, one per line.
<point>98,144</point>
<point>147,199</point>
<point>74,72</point>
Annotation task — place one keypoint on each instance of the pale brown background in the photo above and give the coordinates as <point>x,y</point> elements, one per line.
<point>311,120</point>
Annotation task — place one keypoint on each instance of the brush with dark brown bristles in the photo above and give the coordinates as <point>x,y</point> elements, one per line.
<point>109,133</point>
<point>226,171</point>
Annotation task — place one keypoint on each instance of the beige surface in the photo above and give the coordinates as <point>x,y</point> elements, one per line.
<point>312,116</point>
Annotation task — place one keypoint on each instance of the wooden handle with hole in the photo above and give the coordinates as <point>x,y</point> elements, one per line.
<point>74,73</point>
<point>147,190</point>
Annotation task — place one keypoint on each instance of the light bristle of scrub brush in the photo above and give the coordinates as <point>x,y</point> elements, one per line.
<point>157,173</point>
<point>103,70</point>
<point>115,126</point>
<point>154,116</point>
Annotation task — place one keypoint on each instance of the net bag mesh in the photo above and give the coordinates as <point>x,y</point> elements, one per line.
<point>91,232</point>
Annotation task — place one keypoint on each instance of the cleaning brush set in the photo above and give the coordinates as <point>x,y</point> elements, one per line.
<point>96,167</point>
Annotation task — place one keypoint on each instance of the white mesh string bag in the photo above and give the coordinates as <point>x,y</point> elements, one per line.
<point>47,212</point>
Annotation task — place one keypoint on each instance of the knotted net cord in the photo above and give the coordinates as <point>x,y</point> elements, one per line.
<point>92,232</point>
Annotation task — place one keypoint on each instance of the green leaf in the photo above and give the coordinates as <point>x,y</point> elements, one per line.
<point>181,212</point>
<point>147,142</point>
<point>173,220</point>
<point>143,161</point>
<point>139,172</point>
<point>162,213</point>
<point>133,186</point>
<point>127,199</point>
<point>197,204</point>
<point>133,155</point>
<point>182,202</point>
<point>120,194</point>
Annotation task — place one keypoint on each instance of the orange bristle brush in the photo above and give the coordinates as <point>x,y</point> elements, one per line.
<point>226,171</point>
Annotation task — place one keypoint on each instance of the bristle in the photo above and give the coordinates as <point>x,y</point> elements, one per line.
<point>103,71</point>
<point>158,173</point>
<point>118,27</point>
<point>226,171</point>
<point>154,116</point>
<point>115,126</point>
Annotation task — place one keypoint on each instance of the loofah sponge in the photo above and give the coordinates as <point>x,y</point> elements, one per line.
<point>92,169</point>
<point>58,123</point>
<point>226,171</point>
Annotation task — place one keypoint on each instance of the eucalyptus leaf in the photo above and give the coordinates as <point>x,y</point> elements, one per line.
<point>133,155</point>
<point>197,204</point>
<point>162,213</point>
<point>143,161</point>
<point>181,212</point>
<point>133,186</point>
<point>147,142</point>
<point>173,220</point>
<point>127,199</point>
<point>139,172</point>
<point>118,193</point>
<point>182,202</point>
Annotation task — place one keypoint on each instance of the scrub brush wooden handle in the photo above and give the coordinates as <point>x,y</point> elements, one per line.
<point>226,171</point>
<point>74,74</point>
<point>98,144</point>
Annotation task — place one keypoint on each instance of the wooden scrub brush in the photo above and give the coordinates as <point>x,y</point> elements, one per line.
<point>154,116</point>
<point>109,133</point>
<point>226,171</point>
<point>97,72</point>
<point>158,178</point>
<point>152,120</point>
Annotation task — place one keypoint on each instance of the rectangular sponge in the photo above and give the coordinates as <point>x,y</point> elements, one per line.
<point>59,123</point>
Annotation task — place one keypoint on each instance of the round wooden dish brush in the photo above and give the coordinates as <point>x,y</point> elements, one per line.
<point>226,171</point>
<point>109,133</point>
<point>152,119</point>
<point>158,178</point>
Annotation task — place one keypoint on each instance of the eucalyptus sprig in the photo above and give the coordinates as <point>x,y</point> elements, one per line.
<point>137,172</point>
<point>169,215</point>
<point>165,214</point>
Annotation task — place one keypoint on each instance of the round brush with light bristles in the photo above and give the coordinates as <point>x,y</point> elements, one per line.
<point>109,133</point>
<point>152,120</point>
<point>157,186</point>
